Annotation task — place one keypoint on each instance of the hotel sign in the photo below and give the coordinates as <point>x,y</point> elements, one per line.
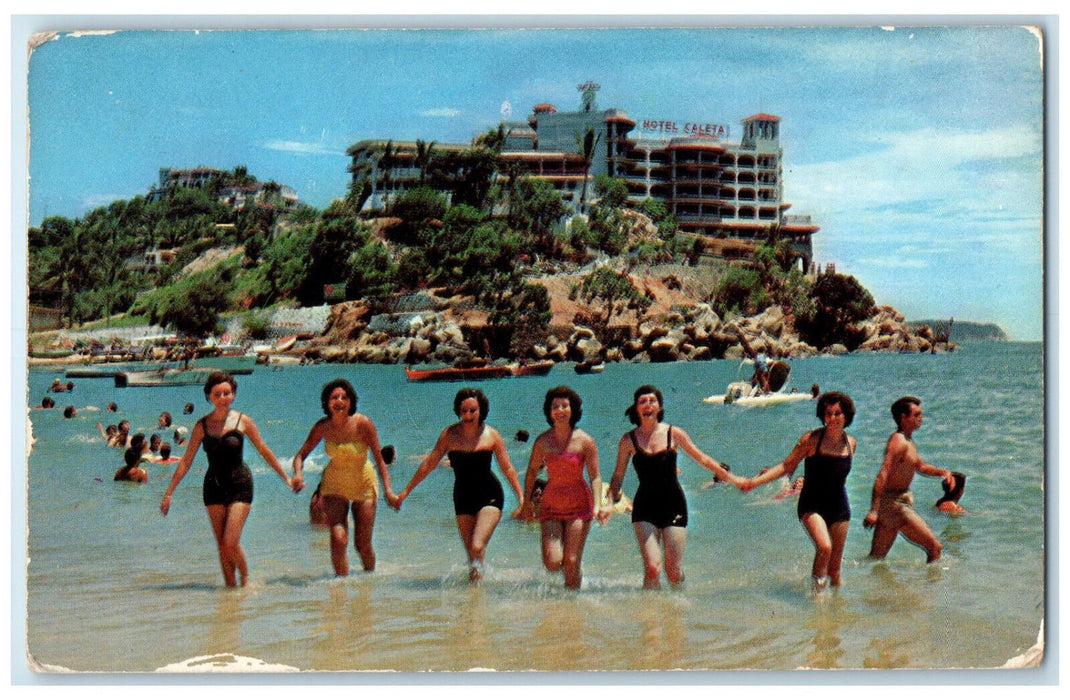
<point>665,126</point>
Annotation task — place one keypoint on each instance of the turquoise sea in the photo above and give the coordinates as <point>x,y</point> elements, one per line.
<point>114,586</point>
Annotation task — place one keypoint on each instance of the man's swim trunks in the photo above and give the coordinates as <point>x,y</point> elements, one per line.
<point>895,508</point>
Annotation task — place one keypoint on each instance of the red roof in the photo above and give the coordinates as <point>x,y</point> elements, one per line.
<point>544,107</point>
<point>763,116</point>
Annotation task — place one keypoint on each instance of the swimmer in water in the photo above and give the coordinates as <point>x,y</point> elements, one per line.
<point>568,503</point>
<point>349,481</point>
<point>823,508</point>
<point>659,509</point>
<point>949,502</point>
<point>228,482</point>
<point>131,470</point>
<point>478,499</point>
<point>892,510</point>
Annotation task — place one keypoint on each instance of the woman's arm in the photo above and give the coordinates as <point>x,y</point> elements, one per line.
<point>625,449</point>
<point>681,438</point>
<point>258,442</point>
<point>183,466</point>
<point>507,468</point>
<point>803,449</point>
<point>428,465</point>
<point>313,439</point>
<point>535,462</point>
<point>589,450</point>
<point>372,441</point>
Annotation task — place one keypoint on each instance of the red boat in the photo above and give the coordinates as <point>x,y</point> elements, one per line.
<point>458,372</point>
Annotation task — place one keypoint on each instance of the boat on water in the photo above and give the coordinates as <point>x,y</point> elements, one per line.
<point>590,367</point>
<point>750,393</point>
<point>472,369</point>
<point>532,369</point>
<point>730,399</point>
<point>243,363</point>
<point>164,377</point>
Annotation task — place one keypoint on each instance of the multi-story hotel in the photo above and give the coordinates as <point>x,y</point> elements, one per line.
<point>729,193</point>
<point>234,194</point>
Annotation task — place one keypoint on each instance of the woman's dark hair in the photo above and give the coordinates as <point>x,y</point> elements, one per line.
<point>835,397</point>
<point>328,389</point>
<point>131,457</point>
<point>469,393</point>
<point>219,378</point>
<point>137,441</point>
<point>166,415</point>
<point>574,402</point>
<point>633,415</point>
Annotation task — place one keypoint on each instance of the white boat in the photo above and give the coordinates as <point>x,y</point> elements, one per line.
<point>231,364</point>
<point>164,377</point>
<point>738,396</point>
<point>745,393</point>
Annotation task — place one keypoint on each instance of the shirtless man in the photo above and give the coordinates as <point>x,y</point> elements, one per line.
<point>892,509</point>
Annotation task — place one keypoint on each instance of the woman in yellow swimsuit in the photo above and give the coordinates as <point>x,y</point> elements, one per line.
<point>349,479</point>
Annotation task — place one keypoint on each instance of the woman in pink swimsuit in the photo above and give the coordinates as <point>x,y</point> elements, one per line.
<point>568,502</point>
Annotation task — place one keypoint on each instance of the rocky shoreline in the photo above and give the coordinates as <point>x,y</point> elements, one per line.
<point>425,328</point>
<point>444,336</point>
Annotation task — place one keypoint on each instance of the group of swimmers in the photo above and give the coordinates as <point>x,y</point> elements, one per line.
<point>572,494</point>
<point>139,451</point>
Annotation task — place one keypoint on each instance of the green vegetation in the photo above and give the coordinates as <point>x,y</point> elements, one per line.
<point>476,228</point>
<point>964,331</point>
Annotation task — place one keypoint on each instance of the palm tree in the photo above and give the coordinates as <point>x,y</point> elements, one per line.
<point>586,145</point>
<point>423,157</point>
<point>493,140</point>
<point>386,164</point>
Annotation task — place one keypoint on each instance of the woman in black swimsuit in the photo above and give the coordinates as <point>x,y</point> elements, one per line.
<point>478,498</point>
<point>823,508</point>
<point>659,510</point>
<point>228,483</point>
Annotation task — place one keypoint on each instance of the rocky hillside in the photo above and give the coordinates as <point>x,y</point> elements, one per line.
<point>676,326</point>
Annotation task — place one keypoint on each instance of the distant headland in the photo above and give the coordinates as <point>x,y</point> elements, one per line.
<point>965,331</point>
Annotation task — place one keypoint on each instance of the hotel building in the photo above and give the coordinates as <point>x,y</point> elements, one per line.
<point>728,193</point>
<point>234,194</point>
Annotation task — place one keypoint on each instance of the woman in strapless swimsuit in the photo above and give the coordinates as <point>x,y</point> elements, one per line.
<point>823,510</point>
<point>228,483</point>
<point>568,502</point>
<point>349,481</point>
<point>659,510</point>
<point>478,499</point>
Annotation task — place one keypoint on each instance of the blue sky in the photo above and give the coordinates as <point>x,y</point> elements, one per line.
<point>918,150</point>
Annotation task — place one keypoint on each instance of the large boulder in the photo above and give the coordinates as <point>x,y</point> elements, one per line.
<point>771,321</point>
<point>663,349</point>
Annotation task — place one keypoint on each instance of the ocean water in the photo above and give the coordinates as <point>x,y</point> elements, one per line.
<point>114,586</point>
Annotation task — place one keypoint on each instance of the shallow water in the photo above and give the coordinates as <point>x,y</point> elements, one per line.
<point>114,586</point>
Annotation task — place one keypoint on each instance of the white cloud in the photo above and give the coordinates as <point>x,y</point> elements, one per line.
<point>975,183</point>
<point>893,263</point>
<point>441,112</point>
<point>102,199</point>
<point>302,147</point>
